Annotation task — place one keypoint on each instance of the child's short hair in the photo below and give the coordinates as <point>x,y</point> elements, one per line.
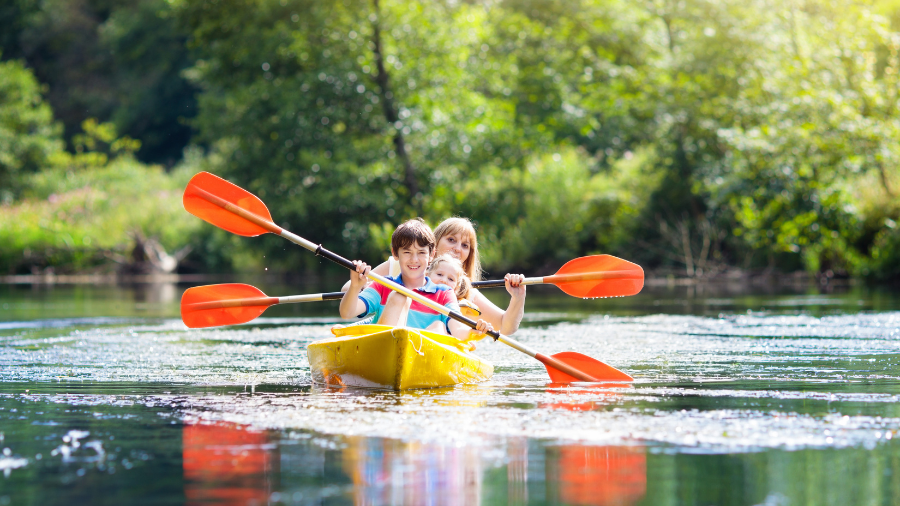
<point>463,284</point>
<point>412,232</point>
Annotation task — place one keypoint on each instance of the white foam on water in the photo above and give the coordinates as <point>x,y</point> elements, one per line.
<point>747,376</point>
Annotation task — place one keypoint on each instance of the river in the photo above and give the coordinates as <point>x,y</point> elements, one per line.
<point>744,394</point>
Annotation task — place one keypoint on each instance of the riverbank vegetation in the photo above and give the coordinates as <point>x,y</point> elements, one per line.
<point>697,137</point>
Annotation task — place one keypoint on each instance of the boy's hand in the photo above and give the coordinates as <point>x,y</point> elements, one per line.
<point>358,277</point>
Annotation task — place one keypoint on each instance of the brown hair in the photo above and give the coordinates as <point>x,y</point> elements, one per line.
<point>463,284</point>
<point>453,226</point>
<point>412,232</point>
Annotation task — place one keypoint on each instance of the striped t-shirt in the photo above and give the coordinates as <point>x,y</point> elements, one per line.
<point>420,316</point>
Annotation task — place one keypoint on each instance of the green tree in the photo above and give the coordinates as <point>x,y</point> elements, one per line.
<point>820,122</point>
<point>316,104</point>
<point>115,61</point>
<point>29,137</point>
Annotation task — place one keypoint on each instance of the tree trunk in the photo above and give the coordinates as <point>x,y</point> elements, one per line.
<point>390,112</point>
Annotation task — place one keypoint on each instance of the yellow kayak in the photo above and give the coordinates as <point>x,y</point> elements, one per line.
<point>380,356</point>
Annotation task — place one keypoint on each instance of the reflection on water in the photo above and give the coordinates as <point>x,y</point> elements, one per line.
<point>234,465</point>
<point>572,397</point>
<point>599,475</point>
<point>388,471</point>
<point>151,456</point>
<point>227,465</point>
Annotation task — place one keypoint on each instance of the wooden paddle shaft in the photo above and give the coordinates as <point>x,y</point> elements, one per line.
<point>496,283</point>
<point>263,301</point>
<point>562,278</point>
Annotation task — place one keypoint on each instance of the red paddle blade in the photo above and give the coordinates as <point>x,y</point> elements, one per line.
<point>227,304</point>
<point>586,364</point>
<point>204,188</point>
<point>598,276</point>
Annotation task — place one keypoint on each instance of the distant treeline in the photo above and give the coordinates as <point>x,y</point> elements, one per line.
<point>694,136</point>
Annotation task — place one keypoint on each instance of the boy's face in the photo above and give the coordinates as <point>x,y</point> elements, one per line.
<point>413,260</point>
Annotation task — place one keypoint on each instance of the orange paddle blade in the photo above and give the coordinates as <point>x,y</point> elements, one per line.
<point>598,276</point>
<point>226,304</point>
<point>586,364</point>
<point>208,197</point>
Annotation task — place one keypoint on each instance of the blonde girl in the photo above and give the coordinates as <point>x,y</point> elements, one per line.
<point>456,237</point>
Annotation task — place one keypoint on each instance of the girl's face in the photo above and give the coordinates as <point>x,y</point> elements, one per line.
<point>457,245</point>
<point>444,274</point>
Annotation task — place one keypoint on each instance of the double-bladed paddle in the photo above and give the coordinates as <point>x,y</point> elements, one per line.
<point>588,277</point>
<point>234,303</point>
<point>236,210</point>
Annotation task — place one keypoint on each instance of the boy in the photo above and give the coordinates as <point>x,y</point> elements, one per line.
<point>412,245</point>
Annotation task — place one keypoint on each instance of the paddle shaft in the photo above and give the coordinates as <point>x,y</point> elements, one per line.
<point>559,278</point>
<point>322,252</point>
<point>263,301</point>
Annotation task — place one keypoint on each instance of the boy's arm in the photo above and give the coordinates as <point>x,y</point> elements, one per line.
<point>351,305</point>
<point>383,269</point>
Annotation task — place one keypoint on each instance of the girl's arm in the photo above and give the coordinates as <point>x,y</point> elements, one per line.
<point>506,321</point>
<point>383,269</point>
<point>461,332</point>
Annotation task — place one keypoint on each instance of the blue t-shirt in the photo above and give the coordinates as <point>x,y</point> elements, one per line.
<point>420,316</point>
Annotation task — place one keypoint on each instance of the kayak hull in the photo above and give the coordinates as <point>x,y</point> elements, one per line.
<point>380,356</point>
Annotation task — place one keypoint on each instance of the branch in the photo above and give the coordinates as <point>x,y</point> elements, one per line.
<point>387,103</point>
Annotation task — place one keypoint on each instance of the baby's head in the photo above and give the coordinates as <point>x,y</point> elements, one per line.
<point>446,270</point>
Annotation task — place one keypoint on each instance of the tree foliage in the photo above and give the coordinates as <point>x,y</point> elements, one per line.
<point>696,135</point>
<point>118,62</point>
<point>29,136</point>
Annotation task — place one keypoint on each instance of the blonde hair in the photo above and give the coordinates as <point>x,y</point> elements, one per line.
<point>453,226</point>
<point>463,285</point>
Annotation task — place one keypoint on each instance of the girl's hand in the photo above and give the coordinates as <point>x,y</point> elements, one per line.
<point>514,285</point>
<point>358,277</point>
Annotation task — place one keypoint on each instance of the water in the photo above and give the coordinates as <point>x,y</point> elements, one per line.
<point>743,395</point>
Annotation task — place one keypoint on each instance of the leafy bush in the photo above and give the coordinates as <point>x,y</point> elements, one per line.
<point>885,255</point>
<point>29,136</point>
<point>80,218</point>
